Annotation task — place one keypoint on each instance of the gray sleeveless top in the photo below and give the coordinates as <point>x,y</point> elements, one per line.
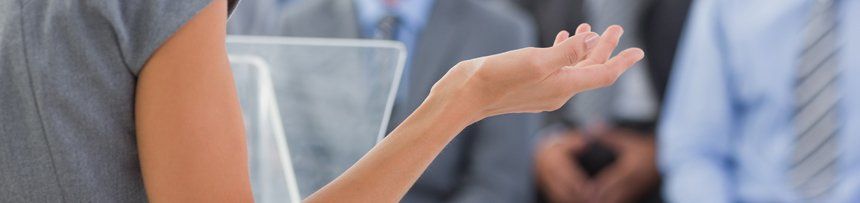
<point>68,70</point>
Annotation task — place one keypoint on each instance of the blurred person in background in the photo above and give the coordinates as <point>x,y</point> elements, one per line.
<point>600,146</point>
<point>761,106</point>
<point>258,17</point>
<point>491,160</point>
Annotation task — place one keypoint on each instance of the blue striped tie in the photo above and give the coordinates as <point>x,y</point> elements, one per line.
<point>816,121</point>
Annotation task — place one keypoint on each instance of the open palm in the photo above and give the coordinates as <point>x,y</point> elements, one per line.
<point>540,79</point>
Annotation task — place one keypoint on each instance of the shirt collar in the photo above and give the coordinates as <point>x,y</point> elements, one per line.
<point>413,14</point>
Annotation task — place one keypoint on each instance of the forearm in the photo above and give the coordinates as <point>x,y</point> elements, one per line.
<point>387,172</point>
<point>525,80</point>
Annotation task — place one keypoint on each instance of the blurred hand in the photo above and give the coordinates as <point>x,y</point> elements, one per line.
<point>634,171</point>
<point>535,79</point>
<point>560,178</point>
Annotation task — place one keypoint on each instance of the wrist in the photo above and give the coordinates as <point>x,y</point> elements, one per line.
<point>455,94</point>
<point>453,107</point>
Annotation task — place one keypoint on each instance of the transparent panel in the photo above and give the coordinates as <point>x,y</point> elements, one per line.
<point>312,107</point>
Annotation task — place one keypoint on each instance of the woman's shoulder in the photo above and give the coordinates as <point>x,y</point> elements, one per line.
<point>140,27</point>
<point>132,28</point>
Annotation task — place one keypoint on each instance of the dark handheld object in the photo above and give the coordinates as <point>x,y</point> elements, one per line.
<point>595,158</point>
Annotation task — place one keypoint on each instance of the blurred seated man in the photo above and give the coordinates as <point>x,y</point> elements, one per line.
<point>762,105</point>
<point>600,147</point>
<point>491,161</point>
<point>257,17</point>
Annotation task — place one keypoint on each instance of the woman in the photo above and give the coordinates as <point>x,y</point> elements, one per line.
<point>128,101</point>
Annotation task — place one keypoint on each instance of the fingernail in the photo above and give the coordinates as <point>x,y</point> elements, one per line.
<point>618,27</point>
<point>591,40</point>
<point>639,53</point>
<point>583,26</point>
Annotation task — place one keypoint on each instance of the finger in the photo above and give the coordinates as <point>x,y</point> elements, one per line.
<point>557,188</point>
<point>583,28</point>
<point>612,141</point>
<point>560,37</point>
<point>564,169</point>
<point>585,188</point>
<point>560,192</point>
<point>568,52</point>
<point>611,194</point>
<point>580,79</point>
<point>605,45</point>
<point>573,143</point>
<point>564,180</point>
<point>625,60</point>
<point>609,183</point>
<point>581,186</point>
<point>556,194</point>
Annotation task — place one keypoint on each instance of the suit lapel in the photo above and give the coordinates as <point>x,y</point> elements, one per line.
<point>321,18</point>
<point>347,25</point>
<point>434,50</point>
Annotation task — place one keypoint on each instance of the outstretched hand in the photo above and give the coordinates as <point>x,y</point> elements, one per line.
<point>524,80</point>
<point>537,79</point>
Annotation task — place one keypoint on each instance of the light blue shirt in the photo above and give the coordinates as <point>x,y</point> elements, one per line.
<point>727,130</point>
<point>413,15</point>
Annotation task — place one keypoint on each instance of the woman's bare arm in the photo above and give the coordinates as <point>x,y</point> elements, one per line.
<point>190,131</point>
<point>525,80</point>
<point>189,125</point>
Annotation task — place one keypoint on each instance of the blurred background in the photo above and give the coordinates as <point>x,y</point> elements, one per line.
<point>736,101</point>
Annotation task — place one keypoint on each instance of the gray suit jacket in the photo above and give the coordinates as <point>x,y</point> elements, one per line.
<point>491,160</point>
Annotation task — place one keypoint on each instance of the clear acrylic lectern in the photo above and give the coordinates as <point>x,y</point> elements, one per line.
<point>312,107</point>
